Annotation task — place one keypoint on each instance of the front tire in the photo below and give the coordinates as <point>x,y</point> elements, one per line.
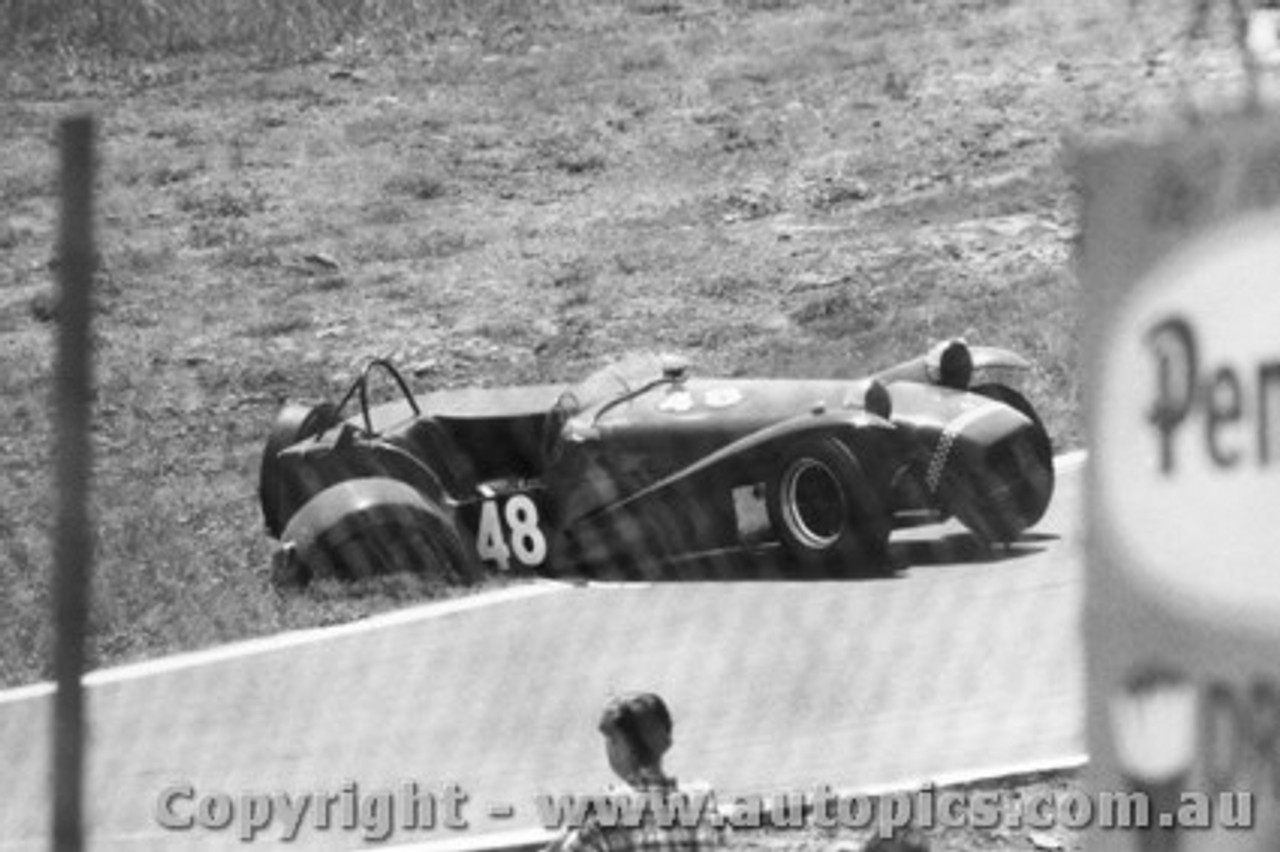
<point>824,510</point>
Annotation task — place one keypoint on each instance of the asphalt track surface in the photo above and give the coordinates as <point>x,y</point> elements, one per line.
<point>966,665</point>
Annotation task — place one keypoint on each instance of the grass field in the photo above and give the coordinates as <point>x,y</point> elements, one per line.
<point>510,193</point>
<point>499,192</point>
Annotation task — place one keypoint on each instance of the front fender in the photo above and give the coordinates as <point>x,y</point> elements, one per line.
<point>954,364</point>
<point>996,358</point>
<point>995,474</point>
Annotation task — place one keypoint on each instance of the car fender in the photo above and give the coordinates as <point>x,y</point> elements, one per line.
<point>997,358</point>
<point>359,527</point>
<point>992,467</point>
<point>953,363</point>
<point>302,471</point>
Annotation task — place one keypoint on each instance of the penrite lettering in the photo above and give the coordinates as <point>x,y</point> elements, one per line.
<point>1234,408</point>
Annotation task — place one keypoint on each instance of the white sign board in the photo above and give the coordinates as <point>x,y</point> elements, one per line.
<point>1182,621</point>
<point>1188,441</point>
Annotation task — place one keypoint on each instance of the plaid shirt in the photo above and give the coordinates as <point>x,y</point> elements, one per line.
<point>652,833</point>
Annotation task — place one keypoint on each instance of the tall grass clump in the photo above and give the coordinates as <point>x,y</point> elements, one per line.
<point>265,28</point>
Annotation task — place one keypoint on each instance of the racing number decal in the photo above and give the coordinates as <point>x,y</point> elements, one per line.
<point>520,536</point>
<point>527,541</point>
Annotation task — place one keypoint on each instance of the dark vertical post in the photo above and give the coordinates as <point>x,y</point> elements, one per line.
<point>73,540</point>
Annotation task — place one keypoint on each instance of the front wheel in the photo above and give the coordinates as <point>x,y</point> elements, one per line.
<point>824,510</point>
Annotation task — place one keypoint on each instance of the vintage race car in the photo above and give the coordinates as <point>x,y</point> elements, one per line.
<point>645,470</point>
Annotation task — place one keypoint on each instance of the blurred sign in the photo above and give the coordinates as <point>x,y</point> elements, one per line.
<point>1182,622</point>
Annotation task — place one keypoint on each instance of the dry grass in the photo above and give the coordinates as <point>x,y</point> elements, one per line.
<point>266,29</point>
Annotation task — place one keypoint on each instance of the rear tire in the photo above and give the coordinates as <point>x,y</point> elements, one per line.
<point>825,511</point>
<point>381,551</point>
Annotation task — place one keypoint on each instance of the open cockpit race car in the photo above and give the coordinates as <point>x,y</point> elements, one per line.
<point>643,469</point>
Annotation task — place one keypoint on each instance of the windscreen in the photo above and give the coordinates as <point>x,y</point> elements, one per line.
<point>610,382</point>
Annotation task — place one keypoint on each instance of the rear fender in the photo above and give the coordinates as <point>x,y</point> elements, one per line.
<point>370,526</point>
<point>306,469</point>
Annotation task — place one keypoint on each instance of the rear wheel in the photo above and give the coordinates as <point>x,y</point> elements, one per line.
<point>824,510</point>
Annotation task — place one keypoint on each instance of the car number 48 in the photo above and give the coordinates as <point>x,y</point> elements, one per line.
<point>513,532</point>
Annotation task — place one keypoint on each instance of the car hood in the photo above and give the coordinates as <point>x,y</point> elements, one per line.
<point>750,403</point>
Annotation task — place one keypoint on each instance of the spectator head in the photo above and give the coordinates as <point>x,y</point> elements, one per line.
<point>637,730</point>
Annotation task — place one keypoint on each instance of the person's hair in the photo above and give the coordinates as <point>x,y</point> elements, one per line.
<point>643,720</point>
